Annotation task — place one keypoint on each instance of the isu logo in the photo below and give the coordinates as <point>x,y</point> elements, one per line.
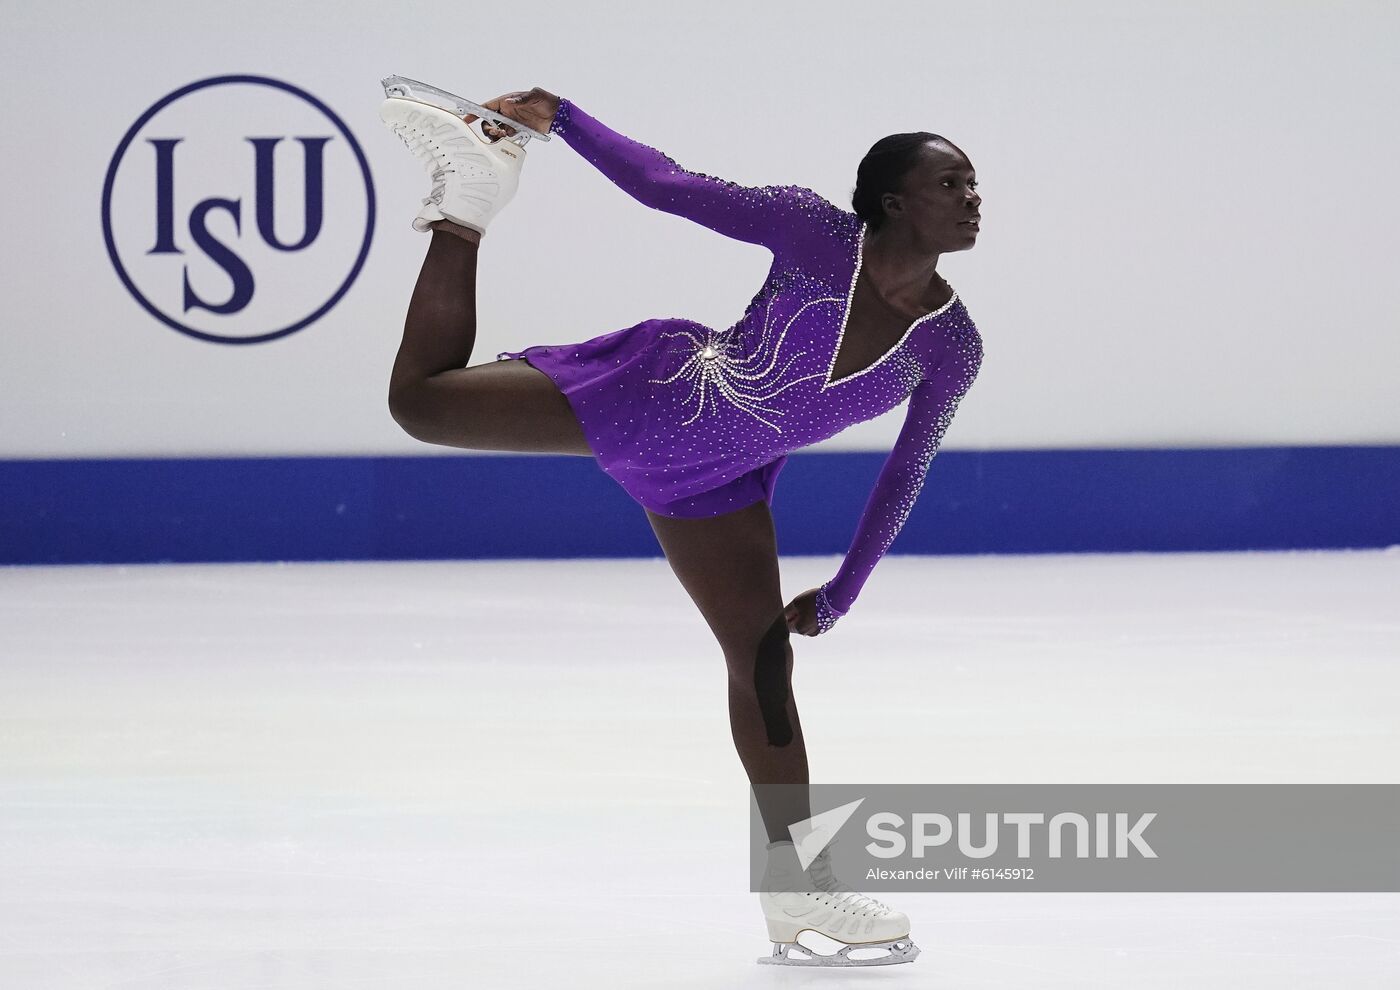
<point>238,209</point>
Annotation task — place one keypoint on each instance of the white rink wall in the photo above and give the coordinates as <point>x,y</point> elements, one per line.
<point>1190,214</point>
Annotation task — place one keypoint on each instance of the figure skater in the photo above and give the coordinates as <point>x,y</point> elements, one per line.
<point>695,423</point>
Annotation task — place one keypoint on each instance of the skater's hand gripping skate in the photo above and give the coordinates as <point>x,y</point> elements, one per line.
<point>801,613</point>
<point>534,108</point>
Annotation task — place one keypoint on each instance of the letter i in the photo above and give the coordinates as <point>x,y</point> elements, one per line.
<point>165,195</point>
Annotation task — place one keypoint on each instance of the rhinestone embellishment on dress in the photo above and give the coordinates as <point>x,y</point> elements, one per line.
<point>718,366</point>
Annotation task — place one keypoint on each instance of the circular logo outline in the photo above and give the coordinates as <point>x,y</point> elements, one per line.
<point>130,136</point>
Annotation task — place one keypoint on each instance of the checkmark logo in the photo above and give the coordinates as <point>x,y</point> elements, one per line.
<point>811,835</point>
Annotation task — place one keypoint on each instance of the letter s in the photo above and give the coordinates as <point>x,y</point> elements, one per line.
<point>874,827</point>
<point>239,272</point>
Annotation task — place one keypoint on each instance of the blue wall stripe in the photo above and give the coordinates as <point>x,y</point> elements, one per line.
<point>403,508</point>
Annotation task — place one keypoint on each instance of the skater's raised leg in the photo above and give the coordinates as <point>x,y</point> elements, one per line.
<point>500,405</point>
<point>440,330</point>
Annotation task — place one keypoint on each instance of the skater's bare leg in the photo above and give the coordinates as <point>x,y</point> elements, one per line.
<point>499,405</point>
<point>729,566</point>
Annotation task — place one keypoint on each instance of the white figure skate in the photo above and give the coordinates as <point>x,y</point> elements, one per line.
<point>833,910</point>
<point>474,173</point>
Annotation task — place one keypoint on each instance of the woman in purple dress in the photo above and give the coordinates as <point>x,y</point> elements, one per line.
<point>695,423</point>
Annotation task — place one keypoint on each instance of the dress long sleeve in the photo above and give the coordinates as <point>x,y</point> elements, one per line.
<point>931,408</point>
<point>765,215</point>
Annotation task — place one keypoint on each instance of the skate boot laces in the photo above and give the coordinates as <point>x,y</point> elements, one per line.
<point>843,894</point>
<point>857,903</point>
<point>439,187</point>
<point>473,175</point>
<point>430,155</point>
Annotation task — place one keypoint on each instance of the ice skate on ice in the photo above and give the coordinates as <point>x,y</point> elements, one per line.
<point>791,906</point>
<point>474,175</point>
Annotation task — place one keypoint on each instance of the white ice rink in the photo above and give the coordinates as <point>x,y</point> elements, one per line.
<point>519,774</point>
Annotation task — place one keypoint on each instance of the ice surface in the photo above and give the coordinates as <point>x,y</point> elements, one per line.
<point>519,774</point>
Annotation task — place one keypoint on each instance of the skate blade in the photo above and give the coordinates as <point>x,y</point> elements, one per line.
<point>403,88</point>
<point>899,950</point>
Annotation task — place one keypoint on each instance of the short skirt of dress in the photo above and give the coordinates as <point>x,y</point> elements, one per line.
<point>635,427</point>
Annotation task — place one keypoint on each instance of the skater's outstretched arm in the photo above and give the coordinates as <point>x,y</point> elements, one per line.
<point>931,409</point>
<point>766,215</point>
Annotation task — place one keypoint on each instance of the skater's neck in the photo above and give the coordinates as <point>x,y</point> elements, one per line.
<point>901,267</point>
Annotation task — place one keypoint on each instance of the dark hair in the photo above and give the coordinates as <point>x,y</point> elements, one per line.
<point>882,170</point>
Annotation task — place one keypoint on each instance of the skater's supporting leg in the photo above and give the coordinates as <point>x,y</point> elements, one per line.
<point>729,566</point>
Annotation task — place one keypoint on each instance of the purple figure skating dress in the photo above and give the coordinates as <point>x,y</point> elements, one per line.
<point>694,422</point>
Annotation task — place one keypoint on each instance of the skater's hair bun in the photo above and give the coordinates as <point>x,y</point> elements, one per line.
<point>883,169</point>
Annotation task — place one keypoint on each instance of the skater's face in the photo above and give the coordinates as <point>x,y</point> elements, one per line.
<point>937,198</point>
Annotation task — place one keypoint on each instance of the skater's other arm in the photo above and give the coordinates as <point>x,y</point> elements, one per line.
<point>766,215</point>
<point>931,408</point>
